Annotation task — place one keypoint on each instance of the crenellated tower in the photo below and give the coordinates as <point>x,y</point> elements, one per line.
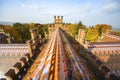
<point>58,21</point>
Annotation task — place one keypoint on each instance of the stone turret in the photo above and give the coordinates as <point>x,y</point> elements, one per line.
<point>58,20</point>
<point>34,36</point>
<point>81,35</point>
<point>81,38</point>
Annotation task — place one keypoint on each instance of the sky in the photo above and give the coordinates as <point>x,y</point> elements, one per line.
<point>90,12</point>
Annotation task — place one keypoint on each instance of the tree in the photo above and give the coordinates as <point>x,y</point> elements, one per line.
<point>45,28</point>
<point>100,30</point>
<point>74,28</point>
<point>22,30</point>
<point>13,33</point>
<point>92,34</point>
<point>40,29</point>
<point>105,27</point>
<point>32,25</point>
<point>71,29</point>
<point>79,26</point>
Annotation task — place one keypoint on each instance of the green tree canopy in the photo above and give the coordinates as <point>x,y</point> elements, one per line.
<point>100,30</point>
<point>22,30</point>
<point>13,33</point>
<point>79,26</point>
<point>92,34</point>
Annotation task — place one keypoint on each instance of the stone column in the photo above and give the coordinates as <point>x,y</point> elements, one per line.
<point>35,36</point>
<point>40,38</point>
<point>54,19</point>
<point>32,34</point>
<point>81,35</point>
<point>58,19</point>
<point>76,37</point>
<point>29,43</point>
<point>61,19</point>
<point>8,40</point>
<point>87,44</point>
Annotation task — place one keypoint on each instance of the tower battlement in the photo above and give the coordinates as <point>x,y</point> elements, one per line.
<point>58,23</point>
<point>58,19</point>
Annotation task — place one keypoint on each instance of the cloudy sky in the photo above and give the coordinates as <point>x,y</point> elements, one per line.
<point>90,12</point>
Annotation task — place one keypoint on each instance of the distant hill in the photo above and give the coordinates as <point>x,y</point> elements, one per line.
<point>6,23</point>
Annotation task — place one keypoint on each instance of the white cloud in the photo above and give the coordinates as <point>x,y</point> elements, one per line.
<point>88,11</point>
<point>30,6</point>
<point>111,7</point>
<point>111,0</point>
<point>81,10</point>
<point>85,8</point>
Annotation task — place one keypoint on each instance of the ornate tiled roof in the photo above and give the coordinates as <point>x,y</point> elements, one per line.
<point>9,55</point>
<point>111,38</point>
<point>108,52</point>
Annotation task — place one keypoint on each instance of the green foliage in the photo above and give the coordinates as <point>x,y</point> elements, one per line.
<point>92,34</point>
<point>118,32</point>
<point>71,29</point>
<point>13,33</point>
<point>74,28</point>
<point>104,27</point>
<point>32,25</point>
<point>45,28</point>
<point>22,30</point>
<point>79,26</point>
<point>40,30</point>
<point>100,30</point>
